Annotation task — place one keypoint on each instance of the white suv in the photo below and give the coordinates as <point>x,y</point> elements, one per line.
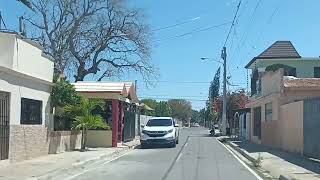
<point>161,131</point>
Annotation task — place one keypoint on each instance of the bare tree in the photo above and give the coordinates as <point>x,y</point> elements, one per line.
<point>98,37</point>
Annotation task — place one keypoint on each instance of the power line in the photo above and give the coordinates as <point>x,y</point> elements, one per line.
<point>177,24</point>
<point>182,82</point>
<point>193,31</point>
<point>159,98</point>
<point>233,23</point>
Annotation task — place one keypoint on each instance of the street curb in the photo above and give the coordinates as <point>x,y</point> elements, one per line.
<point>85,163</point>
<point>235,147</point>
<point>282,177</point>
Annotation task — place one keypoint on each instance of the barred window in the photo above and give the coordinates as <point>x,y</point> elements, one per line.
<point>31,111</point>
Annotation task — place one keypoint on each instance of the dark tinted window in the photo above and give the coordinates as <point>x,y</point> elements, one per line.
<point>316,71</point>
<point>159,122</point>
<point>31,111</point>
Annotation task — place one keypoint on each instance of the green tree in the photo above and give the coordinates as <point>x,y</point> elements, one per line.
<point>163,109</point>
<point>181,109</point>
<point>84,119</point>
<point>152,104</point>
<point>63,93</point>
<point>195,116</point>
<point>214,86</point>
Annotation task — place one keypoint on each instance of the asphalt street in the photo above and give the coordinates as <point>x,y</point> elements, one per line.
<point>196,157</point>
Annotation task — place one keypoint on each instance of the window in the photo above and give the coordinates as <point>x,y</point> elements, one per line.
<point>316,72</point>
<point>159,122</point>
<point>31,111</point>
<point>268,111</point>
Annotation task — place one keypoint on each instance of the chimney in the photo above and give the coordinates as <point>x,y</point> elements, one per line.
<point>22,28</point>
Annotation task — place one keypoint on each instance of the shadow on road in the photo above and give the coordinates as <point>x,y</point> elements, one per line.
<point>293,158</point>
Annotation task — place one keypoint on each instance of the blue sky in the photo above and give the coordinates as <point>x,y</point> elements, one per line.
<point>178,59</point>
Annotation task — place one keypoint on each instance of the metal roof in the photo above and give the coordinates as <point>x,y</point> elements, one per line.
<point>125,89</point>
<point>278,50</point>
<point>100,87</point>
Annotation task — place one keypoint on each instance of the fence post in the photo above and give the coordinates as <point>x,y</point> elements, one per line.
<point>115,121</point>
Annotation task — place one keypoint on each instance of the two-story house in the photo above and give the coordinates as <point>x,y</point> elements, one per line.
<point>282,54</point>
<point>26,75</point>
<point>282,84</point>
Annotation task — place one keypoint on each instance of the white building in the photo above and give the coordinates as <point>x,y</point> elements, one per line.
<point>26,75</point>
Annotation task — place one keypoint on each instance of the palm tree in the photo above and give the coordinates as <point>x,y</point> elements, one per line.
<point>83,117</point>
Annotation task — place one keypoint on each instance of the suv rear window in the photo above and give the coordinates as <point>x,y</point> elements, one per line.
<point>159,122</point>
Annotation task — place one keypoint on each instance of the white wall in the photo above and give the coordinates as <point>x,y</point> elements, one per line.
<point>24,56</point>
<point>24,88</point>
<point>6,50</point>
<point>24,73</point>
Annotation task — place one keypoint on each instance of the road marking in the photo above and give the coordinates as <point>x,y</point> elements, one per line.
<point>175,160</point>
<point>244,164</point>
<point>87,170</point>
<point>179,157</point>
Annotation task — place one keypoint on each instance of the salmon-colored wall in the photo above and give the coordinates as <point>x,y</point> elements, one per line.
<point>270,135</point>
<point>291,124</point>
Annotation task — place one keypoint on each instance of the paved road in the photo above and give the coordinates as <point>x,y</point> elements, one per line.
<point>197,157</point>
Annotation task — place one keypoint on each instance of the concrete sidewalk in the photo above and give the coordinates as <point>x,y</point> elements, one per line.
<point>279,163</point>
<point>60,166</point>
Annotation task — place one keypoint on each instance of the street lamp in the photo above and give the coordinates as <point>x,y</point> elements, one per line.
<point>224,110</point>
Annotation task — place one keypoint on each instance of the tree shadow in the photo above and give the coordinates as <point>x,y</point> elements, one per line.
<point>293,158</point>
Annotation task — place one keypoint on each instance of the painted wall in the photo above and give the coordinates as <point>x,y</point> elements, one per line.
<point>61,141</point>
<point>24,56</point>
<point>244,125</point>
<point>99,138</point>
<point>6,50</point>
<point>271,82</point>
<point>25,88</point>
<point>291,124</point>
<point>304,67</point>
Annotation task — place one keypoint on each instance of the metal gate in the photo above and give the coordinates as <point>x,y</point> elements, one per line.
<point>311,126</point>
<point>129,126</point>
<point>4,125</point>
<point>257,122</point>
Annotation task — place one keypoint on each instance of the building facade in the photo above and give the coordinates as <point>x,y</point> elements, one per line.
<point>25,86</point>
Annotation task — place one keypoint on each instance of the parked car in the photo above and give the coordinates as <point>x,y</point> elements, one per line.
<point>160,131</point>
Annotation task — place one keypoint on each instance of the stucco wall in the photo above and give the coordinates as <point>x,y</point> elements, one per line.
<point>304,67</point>
<point>291,116</point>
<point>99,138</point>
<point>6,50</point>
<point>25,88</point>
<point>272,82</point>
<point>61,141</point>
<point>24,56</point>
<point>270,135</point>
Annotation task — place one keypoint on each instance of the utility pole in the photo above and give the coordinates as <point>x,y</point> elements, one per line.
<point>224,110</point>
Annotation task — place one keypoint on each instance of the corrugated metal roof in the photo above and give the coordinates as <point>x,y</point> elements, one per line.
<point>278,50</point>
<point>100,87</point>
<point>126,89</point>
